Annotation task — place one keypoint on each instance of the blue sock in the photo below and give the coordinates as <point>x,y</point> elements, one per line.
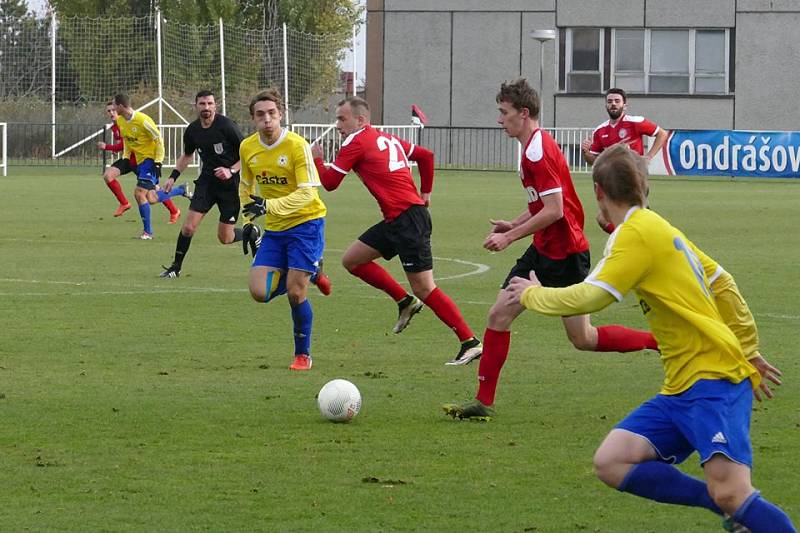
<point>144,212</point>
<point>176,191</point>
<point>759,515</point>
<point>276,284</point>
<point>664,483</point>
<point>303,317</point>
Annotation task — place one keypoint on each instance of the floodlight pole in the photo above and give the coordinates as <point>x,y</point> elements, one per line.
<point>542,36</point>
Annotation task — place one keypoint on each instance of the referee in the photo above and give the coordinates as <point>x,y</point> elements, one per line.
<point>216,139</point>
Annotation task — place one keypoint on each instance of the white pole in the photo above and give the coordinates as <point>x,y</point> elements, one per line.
<point>286,75</point>
<point>53,83</point>
<point>355,62</point>
<point>158,62</point>
<point>5,149</point>
<point>222,62</point>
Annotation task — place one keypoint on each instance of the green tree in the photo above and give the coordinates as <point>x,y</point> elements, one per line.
<point>24,52</point>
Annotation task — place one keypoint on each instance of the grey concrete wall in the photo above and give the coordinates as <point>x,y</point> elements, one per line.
<point>451,56</point>
<point>470,5</point>
<point>416,67</point>
<point>486,51</point>
<point>767,71</point>
<point>600,13</point>
<point>667,112</point>
<point>690,14</point>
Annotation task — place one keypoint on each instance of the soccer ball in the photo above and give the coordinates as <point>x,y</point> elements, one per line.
<point>339,400</point>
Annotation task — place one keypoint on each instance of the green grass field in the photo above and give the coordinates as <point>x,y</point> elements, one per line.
<point>134,403</point>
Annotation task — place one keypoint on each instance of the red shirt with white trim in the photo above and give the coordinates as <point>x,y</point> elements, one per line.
<point>118,146</point>
<point>381,161</point>
<point>628,129</point>
<point>544,171</point>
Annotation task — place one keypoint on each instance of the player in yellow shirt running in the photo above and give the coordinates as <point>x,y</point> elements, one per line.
<point>143,140</point>
<point>709,350</point>
<point>279,180</point>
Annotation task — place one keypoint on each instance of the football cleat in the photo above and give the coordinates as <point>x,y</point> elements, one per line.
<point>146,236</point>
<point>321,280</point>
<point>170,272</point>
<point>173,217</point>
<point>472,410</point>
<point>470,349</point>
<point>121,209</point>
<point>186,192</point>
<point>407,308</point>
<point>301,362</point>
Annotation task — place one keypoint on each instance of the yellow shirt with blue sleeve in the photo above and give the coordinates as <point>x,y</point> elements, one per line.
<point>142,137</point>
<point>284,174</point>
<point>683,293</point>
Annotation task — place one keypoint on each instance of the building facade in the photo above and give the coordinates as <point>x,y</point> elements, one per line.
<point>710,64</point>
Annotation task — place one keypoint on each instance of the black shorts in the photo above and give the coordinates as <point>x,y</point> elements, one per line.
<point>551,272</point>
<point>408,236</point>
<point>210,191</point>
<point>123,165</point>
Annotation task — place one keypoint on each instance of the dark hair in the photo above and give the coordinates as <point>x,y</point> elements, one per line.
<point>110,102</point>
<point>520,95</point>
<point>204,92</point>
<point>622,174</point>
<point>617,90</point>
<point>357,104</point>
<point>122,99</point>
<point>269,95</point>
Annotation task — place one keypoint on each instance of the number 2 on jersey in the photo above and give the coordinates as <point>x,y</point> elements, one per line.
<point>397,155</point>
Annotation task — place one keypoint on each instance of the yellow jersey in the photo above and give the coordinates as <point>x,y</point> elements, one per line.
<point>670,276</point>
<point>142,137</point>
<point>275,172</point>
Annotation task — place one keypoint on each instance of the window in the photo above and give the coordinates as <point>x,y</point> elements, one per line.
<point>583,60</point>
<point>670,61</point>
<point>639,60</point>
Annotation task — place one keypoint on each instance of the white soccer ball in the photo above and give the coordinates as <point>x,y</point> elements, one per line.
<point>339,400</point>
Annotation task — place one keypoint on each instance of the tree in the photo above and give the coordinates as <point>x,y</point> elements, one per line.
<point>24,51</point>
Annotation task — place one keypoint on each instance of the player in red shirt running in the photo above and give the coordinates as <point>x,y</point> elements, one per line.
<point>120,167</point>
<point>623,128</point>
<point>559,252</point>
<point>381,161</point>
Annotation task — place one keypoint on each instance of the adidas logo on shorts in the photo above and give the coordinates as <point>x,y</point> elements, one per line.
<point>719,438</point>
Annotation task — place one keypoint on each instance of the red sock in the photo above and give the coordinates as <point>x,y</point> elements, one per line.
<point>621,339</point>
<point>374,274</point>
<point>448,312</point>
<point>171,206</point>
<point>116,188</point>
<point>495,352</point>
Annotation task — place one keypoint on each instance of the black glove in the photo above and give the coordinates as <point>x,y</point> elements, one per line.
<point>256,208</point>
<point>251,236</point>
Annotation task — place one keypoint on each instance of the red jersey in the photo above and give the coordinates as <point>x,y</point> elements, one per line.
<point>628,129</point>
<point>381,161</point>
<point>118,146</point>
<point>544,171</point>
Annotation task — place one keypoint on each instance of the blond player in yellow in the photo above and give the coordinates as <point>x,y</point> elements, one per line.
<point>279,180</point>
<point>142,139</point>
<point>709,349</point>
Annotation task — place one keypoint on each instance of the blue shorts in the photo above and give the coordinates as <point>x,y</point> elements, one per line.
<point>712,416</point>
<point>146,175</point>
<point>298,248</point>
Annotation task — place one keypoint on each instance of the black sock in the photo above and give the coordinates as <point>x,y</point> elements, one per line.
<point>180,249</point>
<point>237,234</point>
